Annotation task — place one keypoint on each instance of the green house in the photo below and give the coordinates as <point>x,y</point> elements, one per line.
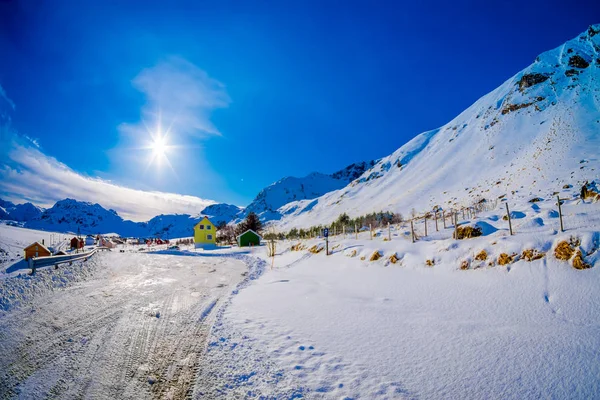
<point>249,238</point>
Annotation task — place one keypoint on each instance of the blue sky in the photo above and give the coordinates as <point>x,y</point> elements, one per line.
<point>253,91</point>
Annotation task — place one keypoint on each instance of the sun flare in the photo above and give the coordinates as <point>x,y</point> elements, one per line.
<point>159,147</point>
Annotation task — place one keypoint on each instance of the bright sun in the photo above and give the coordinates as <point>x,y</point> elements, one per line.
<point>159,147</point>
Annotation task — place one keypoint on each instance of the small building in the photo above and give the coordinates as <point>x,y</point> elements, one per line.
<point>89,240</point>
<point>36,249</point>
<point>76,243</point>
<point>248,238</point>
<point>205,234</point>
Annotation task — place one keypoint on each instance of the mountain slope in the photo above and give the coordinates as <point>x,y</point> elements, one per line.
<point>535,133</point>
<point>71,216</point>
<point>289,189</point>
<point>19,212</point>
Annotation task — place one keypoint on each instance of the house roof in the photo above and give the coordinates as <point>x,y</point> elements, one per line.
<point>249,230</point>
<point>38,244</point>
<point>205,218</point>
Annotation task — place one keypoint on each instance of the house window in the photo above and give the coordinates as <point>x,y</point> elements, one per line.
<point>209,237</point>
<point>208,227</point>
<point>201,227</point>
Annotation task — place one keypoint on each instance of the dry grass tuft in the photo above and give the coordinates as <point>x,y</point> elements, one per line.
<point>351,254</point>
<point>316,249</point>
<point>430,263</point>
<point>363,258</point>
<point>564,251</point>
<point>482,256</point>
<point>464,265</point>
<point>297,247</point>
<point>579,262</point>
<point>466,232</point>
<point>532,255</point>
<point>394,258</point>
<point>505,259</point>
<point>375,256</point>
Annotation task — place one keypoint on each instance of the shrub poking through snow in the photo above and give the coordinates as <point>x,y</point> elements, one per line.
<point>464,265</point>
<point>393,258</point>
<point>297,247</point>
<point>351,253</point>
<point>466,232</point>
<point>316,249</point>
<point>579,262</point>
<point>375,256</point>
<point>532,255</point>
<point>430,263</point>
<point>481,256</point>
<point>505,259</point>
<point>536,199</point>
<point>590,191</point>
<point>564,251</point>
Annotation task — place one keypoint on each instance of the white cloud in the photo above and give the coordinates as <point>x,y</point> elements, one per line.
<point>180,97</point>
<point>30,174</point>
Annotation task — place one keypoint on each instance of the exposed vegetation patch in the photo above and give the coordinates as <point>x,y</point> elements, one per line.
<point>297,247</point>
<point>579,262</point>
<point>528,80</point>
<point>578,62</point>
<point>514,107</point>
<point>466,232</point>
<point>571,72</point>
<point>394,258</point>
<point>430,263</point>
<point>564,251</point>
<point>351,254</point>
<point>589,191</point>
<point>375,256</point>
<point>464,265</point>
<point>481,256</point>
<point>505,259</point>
<point>536,199</point>
<point>316,249</point>
<point>532,255</point>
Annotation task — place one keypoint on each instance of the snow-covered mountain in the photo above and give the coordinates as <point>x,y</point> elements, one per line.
<point>289,189</point>
<point>538,131</point>
<point>19,212</point>
<point>221,212</point>
<point>70,215</point>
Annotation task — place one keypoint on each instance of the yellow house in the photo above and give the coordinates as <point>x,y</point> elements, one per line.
<point>205,234</point>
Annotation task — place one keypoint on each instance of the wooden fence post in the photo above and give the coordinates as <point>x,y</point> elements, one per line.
<point>425,220</point>
<point>562,229</point>
<point>389,232</point>
<point>355,231</point>
<point>412,231</point>
<point>436,223</point>
<point>371,230</point>
<point>455,224</point>
<point>444,218</point>
<point>508,216</point>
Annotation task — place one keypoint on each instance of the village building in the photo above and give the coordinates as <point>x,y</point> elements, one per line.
<point>36,249</point>
<point>76,243</point>
<point>205,234</point>
<point>89,240</point>
<point>248,238</point>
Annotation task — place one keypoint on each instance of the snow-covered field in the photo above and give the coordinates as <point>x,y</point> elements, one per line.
<point>234,323</point>
<point>341,326</point>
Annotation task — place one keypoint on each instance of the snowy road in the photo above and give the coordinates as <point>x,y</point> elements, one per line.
<point>136,330</point>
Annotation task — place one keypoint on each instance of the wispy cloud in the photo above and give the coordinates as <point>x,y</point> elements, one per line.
<point>27,173</point>
<point>180,97</point>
